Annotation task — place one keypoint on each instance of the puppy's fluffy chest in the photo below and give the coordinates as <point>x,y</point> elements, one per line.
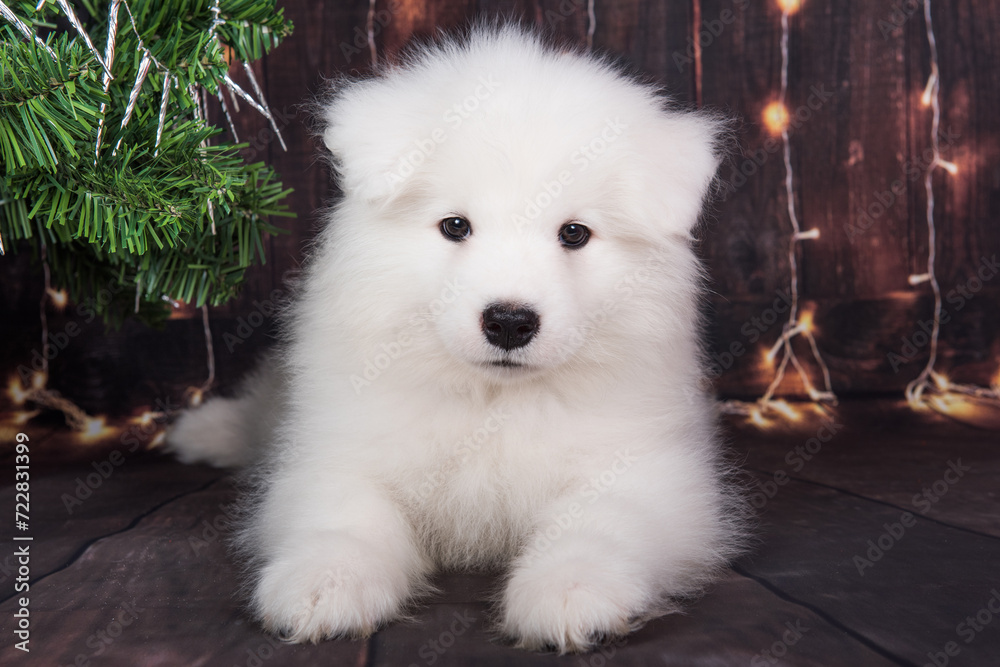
<point>469,494</point>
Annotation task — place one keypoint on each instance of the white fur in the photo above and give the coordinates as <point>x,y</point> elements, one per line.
<point>591,476</point>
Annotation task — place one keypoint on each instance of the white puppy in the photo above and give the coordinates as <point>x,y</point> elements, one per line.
<point>493,361</point>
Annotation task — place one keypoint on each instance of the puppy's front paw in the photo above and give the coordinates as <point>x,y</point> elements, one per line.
<point>333,585</point>
<point>569,605</point>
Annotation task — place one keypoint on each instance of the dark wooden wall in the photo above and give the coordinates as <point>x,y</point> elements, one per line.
<point>870,59</point>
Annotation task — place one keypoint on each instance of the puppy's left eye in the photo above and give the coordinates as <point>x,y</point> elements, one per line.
<point>574,235</point>
<point>455,228</point>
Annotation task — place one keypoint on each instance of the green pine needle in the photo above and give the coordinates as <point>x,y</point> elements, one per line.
<point>137,215</point>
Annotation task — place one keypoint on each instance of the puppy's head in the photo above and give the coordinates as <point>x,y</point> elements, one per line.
<point>541,198</point>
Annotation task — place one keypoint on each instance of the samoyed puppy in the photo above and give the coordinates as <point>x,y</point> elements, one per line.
<point>493,360</point>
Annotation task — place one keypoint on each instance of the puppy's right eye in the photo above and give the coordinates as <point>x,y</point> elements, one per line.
<point>456,229</point>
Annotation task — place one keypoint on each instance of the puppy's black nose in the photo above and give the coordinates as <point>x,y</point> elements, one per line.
<point>508,326</point>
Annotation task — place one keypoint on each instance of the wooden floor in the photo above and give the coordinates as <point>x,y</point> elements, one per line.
<point>854,566</point>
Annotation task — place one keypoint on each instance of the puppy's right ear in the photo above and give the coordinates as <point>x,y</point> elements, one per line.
<point>374,143</point>
<point>683,151</point>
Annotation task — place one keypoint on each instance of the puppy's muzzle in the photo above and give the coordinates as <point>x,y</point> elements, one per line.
<point>509,326</point>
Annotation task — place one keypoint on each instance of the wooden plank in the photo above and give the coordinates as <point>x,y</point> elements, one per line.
<point>170,587</point>
<point>813,538</point>
<point>745,239</point>
<point>850,150</point>
<point>164,589</point>
<point>967,208</point>
<point>733,624</point>
<point>884,451</point>
<point>870,345</point>
<point>648,36</point>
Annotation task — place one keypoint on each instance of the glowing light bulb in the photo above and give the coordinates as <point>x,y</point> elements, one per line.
<point>94,429</point>
<point>58,297</point>
<point>21,418</point>
<point>773,352</point>
<point>776,117</point>
<point>789,6</point>
<point>758,419</point>
<point>785,409</point>
<point>16,391</point>
<point>806,321</point>
<point>950,167</point>
<point>925,99</point>
<point>146,418</point>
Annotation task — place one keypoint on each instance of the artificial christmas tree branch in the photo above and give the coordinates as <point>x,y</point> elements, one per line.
<point>117,174</point>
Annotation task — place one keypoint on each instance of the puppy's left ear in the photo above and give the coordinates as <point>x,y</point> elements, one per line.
<point>368,136</point>
<point>681,156</point>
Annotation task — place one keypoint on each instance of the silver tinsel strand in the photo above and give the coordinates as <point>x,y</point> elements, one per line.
<point>133,97</point>
<point>109,57</point>
<point>11,17</point>
<point>71,15</point>
<point>167,82</point>
<point>263,102</point>
<point>229,119</point>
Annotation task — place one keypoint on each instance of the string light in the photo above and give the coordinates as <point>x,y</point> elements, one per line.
<point>195,395</point>
<point>58,298</point>
<point>592,24</point>
<point>94,430</point>
<point>38,393</point>
<point>370,29</point>
<point>90,429</point>
<point>775,118</point>
<point>932,388</point>
<point>789,7</point>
